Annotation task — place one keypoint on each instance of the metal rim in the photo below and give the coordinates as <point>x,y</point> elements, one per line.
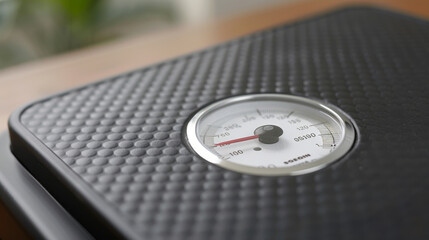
<point>345,122</point>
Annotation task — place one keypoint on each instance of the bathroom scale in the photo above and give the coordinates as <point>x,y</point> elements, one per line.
<point>316,129</point>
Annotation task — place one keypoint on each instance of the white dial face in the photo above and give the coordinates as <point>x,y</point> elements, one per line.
<point>270,134</point>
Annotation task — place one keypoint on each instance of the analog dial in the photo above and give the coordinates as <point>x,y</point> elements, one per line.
<point>270,134</point>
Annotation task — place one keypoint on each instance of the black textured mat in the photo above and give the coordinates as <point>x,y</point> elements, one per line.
<point>112,152</point>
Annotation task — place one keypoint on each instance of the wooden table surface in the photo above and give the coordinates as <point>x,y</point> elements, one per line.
<point>34,80</point>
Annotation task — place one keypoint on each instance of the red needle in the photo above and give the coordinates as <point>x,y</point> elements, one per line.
<point>237,140</point>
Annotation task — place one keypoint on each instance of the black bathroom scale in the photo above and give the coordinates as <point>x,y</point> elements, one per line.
<point>312,130</point>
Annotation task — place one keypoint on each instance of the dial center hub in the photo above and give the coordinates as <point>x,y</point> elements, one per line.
<point>268,134</point>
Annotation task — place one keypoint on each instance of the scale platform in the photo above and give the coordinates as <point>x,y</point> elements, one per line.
<point>110,160</point>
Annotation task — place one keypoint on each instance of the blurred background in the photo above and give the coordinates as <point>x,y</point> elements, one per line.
<point>35,29</point>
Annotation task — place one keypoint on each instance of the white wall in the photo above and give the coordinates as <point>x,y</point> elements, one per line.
<point>196,11</point>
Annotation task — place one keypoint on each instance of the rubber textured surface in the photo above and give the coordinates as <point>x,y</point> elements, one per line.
<point>117,145</point>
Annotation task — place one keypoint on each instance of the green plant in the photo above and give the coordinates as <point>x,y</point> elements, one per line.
<point>40,28</point>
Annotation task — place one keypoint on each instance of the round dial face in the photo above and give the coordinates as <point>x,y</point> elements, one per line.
<point>270,134</point>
